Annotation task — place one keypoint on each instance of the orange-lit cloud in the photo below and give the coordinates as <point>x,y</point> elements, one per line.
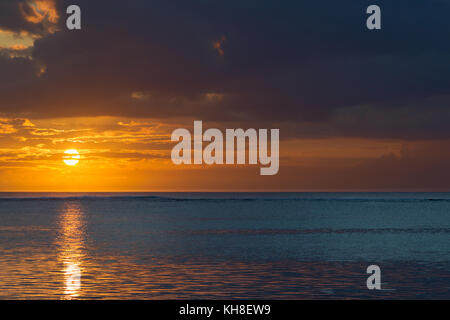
<point>15,41</point>
<point>6,127</point>
<point>139,95</point>
<point>122,154</point>
<point>36,11</point>
<point>218,45</point>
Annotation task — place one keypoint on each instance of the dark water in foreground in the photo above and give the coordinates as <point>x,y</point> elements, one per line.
<point>193,246</point>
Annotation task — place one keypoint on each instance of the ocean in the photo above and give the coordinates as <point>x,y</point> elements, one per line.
<point>223,245</point>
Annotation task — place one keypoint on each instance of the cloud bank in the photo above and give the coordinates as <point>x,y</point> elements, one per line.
<point>311,68</point>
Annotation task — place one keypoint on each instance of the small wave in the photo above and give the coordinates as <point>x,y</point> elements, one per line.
<point>316,231</point>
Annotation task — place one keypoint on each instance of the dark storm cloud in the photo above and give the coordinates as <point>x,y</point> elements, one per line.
<point>289,62</point>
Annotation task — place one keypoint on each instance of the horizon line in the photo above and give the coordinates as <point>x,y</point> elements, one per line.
<point>247,191</point>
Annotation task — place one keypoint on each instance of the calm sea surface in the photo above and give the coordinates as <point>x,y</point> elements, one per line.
<point>223,245</point>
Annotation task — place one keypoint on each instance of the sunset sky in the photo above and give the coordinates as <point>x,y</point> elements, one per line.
<point>357,109</point>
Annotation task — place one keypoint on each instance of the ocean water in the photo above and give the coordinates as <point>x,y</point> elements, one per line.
<point>223,245</point>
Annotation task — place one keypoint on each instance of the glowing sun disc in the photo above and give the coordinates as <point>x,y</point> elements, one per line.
<point>71,157</point>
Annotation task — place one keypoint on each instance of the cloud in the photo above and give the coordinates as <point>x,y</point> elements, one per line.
<point>135,153</point>
<point>39,11</point>
<point>310,67</point>
<point>218,45</point>
<point>104,142</point>
<point>33,17</point>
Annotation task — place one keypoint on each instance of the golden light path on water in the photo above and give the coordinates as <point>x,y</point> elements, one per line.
<point>71,243</point>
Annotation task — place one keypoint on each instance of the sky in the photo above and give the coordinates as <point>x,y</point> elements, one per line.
<point>358,110</point>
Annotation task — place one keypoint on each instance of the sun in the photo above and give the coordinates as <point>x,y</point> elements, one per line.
<point>71,157</point>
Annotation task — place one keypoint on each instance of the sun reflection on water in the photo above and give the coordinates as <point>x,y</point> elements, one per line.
<point>71,243</point>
